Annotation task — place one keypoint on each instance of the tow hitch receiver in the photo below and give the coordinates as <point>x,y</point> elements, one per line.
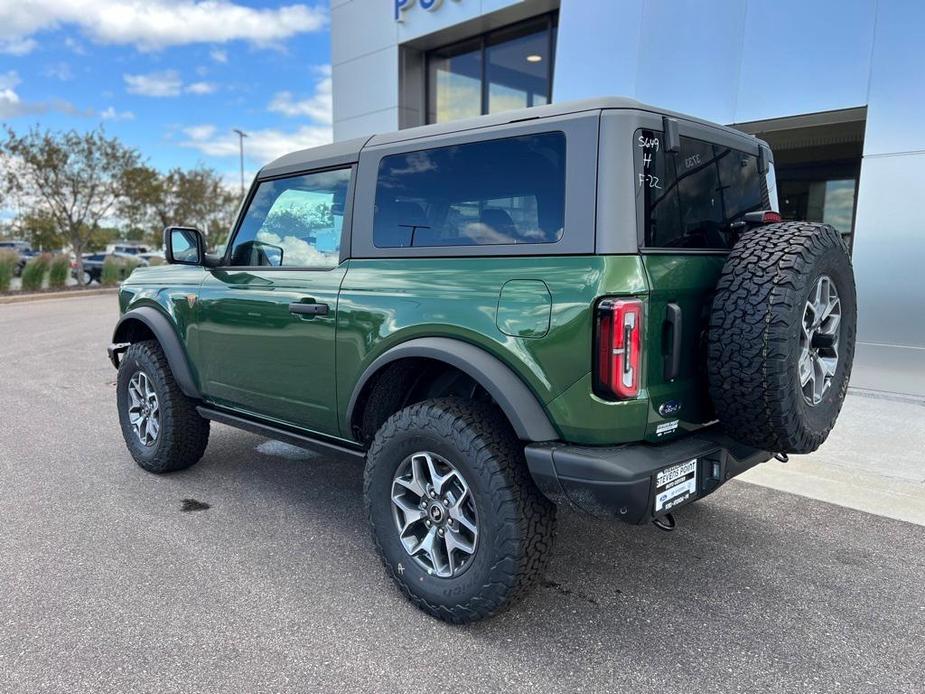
<point>666,523</point>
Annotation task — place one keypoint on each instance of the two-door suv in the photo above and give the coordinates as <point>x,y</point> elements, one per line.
<point>591,304</point>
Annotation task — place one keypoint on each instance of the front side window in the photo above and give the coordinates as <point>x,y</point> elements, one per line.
<point>692,198</point>
<point>294,222</point>
<point>496,192</point>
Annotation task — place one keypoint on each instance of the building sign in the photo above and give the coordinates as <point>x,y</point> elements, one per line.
<point>402,6</point>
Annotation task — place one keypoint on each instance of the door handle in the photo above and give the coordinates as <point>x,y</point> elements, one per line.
<point>308,309</point>
<point>671,364</point>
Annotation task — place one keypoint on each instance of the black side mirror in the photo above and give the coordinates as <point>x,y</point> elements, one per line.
<point>184,246</point>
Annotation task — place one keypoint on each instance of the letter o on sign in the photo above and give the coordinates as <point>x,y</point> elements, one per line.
<point>402,5</point>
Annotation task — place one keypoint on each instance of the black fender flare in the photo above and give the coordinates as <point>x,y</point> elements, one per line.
<point>517,401</point>
<point>165,333</point>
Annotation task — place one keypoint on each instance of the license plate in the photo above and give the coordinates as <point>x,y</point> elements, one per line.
<point>675,485</point>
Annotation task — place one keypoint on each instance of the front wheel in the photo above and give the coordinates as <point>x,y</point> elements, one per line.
<point>160,425</point>
<point>456,518</point>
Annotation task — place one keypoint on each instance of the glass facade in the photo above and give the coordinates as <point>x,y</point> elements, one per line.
<point>503,70</point>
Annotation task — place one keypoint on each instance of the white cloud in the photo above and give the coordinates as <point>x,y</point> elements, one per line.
<point>11,106</point>
<point>61,71</point>
<point>200,132</point>
<point>164,83</point>
<point>74,46</point>
<point>112,114</point>
<point>9,80</point>
<point>156,24</point>
<point>218,55</point>
<point>201,88</point>
<point>260,145</point>
<point>318,106</point>
<point>17,45</point>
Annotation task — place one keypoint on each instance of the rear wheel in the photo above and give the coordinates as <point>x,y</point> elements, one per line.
<point>457,520</point>
<point>781,339</point>
<point>160,425</point>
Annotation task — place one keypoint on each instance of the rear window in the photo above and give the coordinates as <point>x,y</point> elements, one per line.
<point>496,192</point>
<point>691,197</point>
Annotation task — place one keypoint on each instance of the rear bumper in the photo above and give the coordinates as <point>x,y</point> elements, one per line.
<point>619,481</point>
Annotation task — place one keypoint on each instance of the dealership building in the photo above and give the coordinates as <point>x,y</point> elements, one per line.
<point>836,87</point>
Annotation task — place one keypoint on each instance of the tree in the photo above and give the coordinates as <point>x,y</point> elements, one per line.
<point>196,198</point>
<point>40,230</point>
<point>76,179</point>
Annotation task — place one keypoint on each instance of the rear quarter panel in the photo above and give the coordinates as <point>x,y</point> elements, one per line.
<point>384,302</point>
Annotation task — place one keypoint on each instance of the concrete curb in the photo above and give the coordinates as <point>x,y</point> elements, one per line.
<point>54,296</point>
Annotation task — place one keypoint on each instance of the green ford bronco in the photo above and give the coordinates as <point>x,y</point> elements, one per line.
<point>591,304</point>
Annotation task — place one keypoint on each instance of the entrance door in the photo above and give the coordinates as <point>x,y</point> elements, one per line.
<point>267,316</point>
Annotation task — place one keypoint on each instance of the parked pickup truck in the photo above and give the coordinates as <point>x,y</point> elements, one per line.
<point>591,304</point>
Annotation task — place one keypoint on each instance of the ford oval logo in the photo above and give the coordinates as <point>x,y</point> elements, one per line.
<point>671,407</point>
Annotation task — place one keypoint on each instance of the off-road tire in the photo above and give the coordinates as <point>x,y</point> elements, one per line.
<point>516,522</point>
<point>754,335</point>
<point>183,434</point>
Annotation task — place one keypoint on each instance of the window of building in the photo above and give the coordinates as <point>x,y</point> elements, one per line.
<point>294,222</point>
<point>692,197</point>
<point>503,70</point>
<point>506,191</point>
<point>817,158</point>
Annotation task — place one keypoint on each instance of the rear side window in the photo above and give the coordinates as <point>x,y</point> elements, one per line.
<point>496,192</point>
<point>691,197</point>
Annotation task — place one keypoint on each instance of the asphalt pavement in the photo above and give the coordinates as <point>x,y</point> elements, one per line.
<point>268,580</point>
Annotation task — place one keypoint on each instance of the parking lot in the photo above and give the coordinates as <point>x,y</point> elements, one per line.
<point>109,585</point>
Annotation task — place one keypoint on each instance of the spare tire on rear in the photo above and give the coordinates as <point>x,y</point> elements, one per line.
<point>781,336</point>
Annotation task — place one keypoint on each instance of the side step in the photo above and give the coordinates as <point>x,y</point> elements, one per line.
<point>290,437</point>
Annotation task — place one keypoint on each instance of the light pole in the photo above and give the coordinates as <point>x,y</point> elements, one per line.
<point>241,136</point>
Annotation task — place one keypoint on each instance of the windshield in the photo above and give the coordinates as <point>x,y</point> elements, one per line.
<point>690,198</point>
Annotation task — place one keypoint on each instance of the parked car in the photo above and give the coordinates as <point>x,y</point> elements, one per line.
<point>23,249</point>
<point>93,264</point>
<point>591,304</point>
<point>128,248</point>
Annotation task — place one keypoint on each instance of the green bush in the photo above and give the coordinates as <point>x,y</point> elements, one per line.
<point>116,270</point>
<point>110,274</point>
<point>34,273</point>
<point>8,261</point>
<point>58,271</point>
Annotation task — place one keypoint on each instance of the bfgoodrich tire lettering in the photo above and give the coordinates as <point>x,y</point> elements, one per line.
<point>756,325</point>
<point>182,434</point>
<point>515,522</point>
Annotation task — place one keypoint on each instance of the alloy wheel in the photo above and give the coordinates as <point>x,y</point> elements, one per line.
<point>435,514</point>
<point>819,340</point>
<point>143,408</point>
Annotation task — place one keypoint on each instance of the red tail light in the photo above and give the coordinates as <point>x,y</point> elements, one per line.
<point>770,217</point>
<point>618,352</point>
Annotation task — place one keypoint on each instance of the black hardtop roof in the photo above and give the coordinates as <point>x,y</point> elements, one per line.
<point>348,151</point>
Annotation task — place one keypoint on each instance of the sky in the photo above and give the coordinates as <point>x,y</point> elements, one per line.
<point>172,78</point>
